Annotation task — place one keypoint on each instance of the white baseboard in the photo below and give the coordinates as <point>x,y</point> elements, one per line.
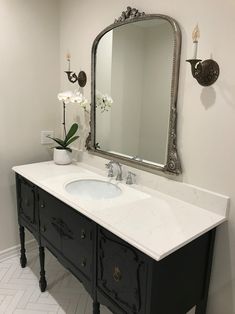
<point>15,250</point>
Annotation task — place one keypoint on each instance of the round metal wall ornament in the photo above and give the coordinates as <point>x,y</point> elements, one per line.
<point>82,78</point>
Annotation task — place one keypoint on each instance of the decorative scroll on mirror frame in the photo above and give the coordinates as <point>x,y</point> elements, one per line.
<point>172,165</point>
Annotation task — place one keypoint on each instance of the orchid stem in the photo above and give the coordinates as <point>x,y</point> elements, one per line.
<point>65,133</point>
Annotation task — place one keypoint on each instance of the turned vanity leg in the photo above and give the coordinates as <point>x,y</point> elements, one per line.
<point>96,307</point>
<point>23,259</point>
<point>202,305</point>
<point>42,281</point>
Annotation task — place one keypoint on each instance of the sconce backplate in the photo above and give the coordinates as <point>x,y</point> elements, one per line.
<point>82,79</point>
<point>205,72</point>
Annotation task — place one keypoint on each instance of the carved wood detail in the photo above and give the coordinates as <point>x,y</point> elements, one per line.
<point>111,282</point>
<point>129,14</point>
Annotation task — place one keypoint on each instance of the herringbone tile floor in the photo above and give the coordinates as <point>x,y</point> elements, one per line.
<point>20,293</point>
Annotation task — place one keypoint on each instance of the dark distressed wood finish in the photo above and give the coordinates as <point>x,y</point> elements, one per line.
<point>42,280</point>
<point>23,259</point>
<point>114,273</point>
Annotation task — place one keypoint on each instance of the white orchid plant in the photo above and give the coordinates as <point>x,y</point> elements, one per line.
<point>66,98</point>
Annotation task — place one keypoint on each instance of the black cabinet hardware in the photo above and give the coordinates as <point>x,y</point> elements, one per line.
<point>83,234</point>
<point>83,263</point>
<point>114,273</point>
<point>117,275</point>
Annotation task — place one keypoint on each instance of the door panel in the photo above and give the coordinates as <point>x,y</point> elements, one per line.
<point>27,204</point>
<point>122,272</point>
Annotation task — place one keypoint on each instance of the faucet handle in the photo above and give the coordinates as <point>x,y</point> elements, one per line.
<point>109,166</point>
<point>129,179</point>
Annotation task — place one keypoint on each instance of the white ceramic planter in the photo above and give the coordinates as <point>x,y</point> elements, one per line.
<point>62,156</point>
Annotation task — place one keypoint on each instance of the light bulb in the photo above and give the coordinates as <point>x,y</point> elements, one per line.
<point>68,56</point>
<point>196,34</point>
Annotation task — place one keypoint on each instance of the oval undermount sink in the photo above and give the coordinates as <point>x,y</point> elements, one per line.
<point>90,189</point>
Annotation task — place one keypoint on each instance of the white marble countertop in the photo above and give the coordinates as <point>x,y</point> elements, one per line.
<point>153,222</point>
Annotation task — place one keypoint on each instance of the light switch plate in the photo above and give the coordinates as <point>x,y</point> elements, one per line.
<point>46,140</point>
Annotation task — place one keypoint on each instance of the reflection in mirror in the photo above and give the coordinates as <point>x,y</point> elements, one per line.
<point>135,70</point>
<point>133,89</point>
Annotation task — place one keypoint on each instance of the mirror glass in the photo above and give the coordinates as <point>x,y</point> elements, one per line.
<point>134,89</point>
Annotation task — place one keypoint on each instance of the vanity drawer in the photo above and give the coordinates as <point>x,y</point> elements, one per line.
<point>67,231</point>
<point>122,272</point>
<point>50,214</point>
<point>78,246</point>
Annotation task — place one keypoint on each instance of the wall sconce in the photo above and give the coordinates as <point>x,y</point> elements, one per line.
<point>73,77</point>
<point>205,72</point>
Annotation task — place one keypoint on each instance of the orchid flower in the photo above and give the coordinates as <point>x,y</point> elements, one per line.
<point>73,97</point>
<point>104,101</point>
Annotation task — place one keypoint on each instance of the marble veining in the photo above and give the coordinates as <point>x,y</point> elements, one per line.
<point>152,221</point>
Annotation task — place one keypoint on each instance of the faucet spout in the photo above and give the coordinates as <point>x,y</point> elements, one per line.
<point>119,174</point>
<point>109,166</point>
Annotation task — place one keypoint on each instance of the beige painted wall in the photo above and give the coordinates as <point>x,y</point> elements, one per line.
<point>29,83</point>
<point>206,115</point>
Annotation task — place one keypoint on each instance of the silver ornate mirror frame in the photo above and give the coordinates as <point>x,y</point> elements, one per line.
<point>173,162</point>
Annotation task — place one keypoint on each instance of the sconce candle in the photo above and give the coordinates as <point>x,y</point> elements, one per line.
<point>195,36</point>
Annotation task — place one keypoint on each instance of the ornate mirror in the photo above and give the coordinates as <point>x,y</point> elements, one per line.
<point>135,69</point>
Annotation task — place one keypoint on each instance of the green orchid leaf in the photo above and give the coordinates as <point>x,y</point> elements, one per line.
<point>72,140</point>
<point>71,132</point>
<point>69,149</point>
<point>58,141</point>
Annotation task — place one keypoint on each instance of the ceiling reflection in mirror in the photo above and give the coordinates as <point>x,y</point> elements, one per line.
<point>135,67</point>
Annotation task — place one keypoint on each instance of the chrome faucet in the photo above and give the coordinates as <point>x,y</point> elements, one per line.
<point>109,166</point>
<point>119,174</point>
<point>129,179</point>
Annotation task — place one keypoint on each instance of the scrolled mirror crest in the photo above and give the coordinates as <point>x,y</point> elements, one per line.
<point>129,14</point>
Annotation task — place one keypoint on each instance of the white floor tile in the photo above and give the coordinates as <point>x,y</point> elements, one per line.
<point>20,293</point>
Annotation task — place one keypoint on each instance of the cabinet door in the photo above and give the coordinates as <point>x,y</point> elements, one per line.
<point>121,272</point>
<point>50,213</point>
<point>77,241</point>
<point>27,201</point>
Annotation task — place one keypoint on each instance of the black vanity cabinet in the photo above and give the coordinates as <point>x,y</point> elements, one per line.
<point>130,282</point>
<point>27,205</point>
<point>122,273</point>
<point>68,235</point>
<point>115,273</point>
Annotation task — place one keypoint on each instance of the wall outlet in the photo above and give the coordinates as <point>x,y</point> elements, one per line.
<point>46,140</point>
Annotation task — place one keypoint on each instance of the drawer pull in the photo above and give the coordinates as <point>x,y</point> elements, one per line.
<point>83,234</point>
<point>83,263</point>
<point>117,275</point>
<point>42,205</point>
<point>43,229</point>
